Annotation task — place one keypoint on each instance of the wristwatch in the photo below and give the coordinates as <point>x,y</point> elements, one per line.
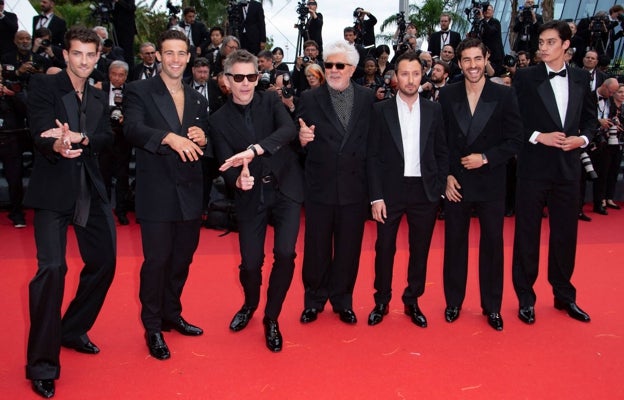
<point>484,158</point>
<point>253,148</point>
<point>83,137</point>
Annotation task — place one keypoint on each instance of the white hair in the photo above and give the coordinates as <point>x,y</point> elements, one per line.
<point>342,47</point>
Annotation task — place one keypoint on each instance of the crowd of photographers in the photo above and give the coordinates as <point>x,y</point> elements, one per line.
<point>592,47</point>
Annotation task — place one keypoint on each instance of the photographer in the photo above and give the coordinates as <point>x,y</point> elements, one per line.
<point>267,70</point>
<point>310,56</point>
<point>526,26</point>
<point>125,27</point>
<point>364,27</point>
<point>195,31</point>
<point>598,32</point>
<point>46,49</point>
<point>21,63</point>
<point>48,19</point>
<point>491,35</point>
<point>8,27</point>
<point>286,93</point>
<point>314,25</point>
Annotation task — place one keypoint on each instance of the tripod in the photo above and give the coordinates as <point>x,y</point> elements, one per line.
<point>302,36</point>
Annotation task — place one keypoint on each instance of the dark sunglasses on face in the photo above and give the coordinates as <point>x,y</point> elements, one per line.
<point>330,65</point>
<point>241,77</point>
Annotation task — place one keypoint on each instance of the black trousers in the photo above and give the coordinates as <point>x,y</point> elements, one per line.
<point>97,245</point>
<point>421,216</point>
<point>168,249</point>
<point>285,215</point>
<point>491,215</point>
<point>333,243</point>
<point>11,157</point>
<point>562,201</point>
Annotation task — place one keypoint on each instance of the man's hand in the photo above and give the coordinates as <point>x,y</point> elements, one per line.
<point>452,189</point>
<point>378,210</point>
<point>197,135</point>
<point>552,139</point>
<point>306,133</point>
<point>472,161</point>
<point>238,159</point>
<point>245,181</point>
<point>605,123</point>
<point>186,148</point>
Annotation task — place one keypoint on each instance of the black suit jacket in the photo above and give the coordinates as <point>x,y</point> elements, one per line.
<point>275,132</point>
<point>386,158</point>
<point>495,130</point>
<point>215,101</point>
<point>57,26</point>
<point>539,113</point>
<point>167,189</point>
<point>8,27</point>
<point>199,33</point>
<point>435,39</point>
<point>55,180</point>
<point>253,30</point>
<point>137,71</point>
<point>491,36</point>
<point>335,163</point>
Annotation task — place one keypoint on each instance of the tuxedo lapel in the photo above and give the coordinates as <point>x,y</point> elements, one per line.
<point>94,108</point>
<point>70,102</point>
<point>484,110</point>
<point>391,114</point>
<point>545,91</point>
<point>460,106</point>
<point>575,88</point>
<point>164,103</point>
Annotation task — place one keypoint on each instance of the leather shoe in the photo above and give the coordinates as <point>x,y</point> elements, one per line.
<point>182,326</point>
<point>376,316</point>
<point>347,316</point>
<point>309,315</point>
<point>584,217</point>
<point>272,334</point>
<point>416,315</point>
<point>600,210</point>
<point>494,320</point>
<point>86,348</point>
<point>241,318</point>
<point>573,310</point>
<point>451,313</point>
<point>123,219</point>
<point>527,314</point>
<point>611,204</point>
<point>43,387</point>
<point>157,346</point>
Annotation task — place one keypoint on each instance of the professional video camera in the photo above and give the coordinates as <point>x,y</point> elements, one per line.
<point>527,13</point>
<point>302,9</point>
<point>509,61</point>
<point>401,26</point>
<point>173,10</point>
<point>235,16</point>
<point>599,24</point>
<point>474,15</point>
<point>101,11</point>
<point>265,80</point>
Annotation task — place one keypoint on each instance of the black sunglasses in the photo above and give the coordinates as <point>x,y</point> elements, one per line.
<point>241,77</point>
<point>330,65</point>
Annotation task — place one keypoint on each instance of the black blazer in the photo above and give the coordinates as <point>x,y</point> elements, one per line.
<point>491,35</point>
<point>539,113</point>
<point>199,33</point>
<point>436,38</point>
<point>495,130</point>
<point>55,180</point>
<point>137,71</point>
<point>57,26</point>
<point>335,163</point>
<point>167,189</point>
<point>253,29</point>
<point>275,132</point>
<point>215,100</point>
<point>8,27</point>
<point>386,159</point>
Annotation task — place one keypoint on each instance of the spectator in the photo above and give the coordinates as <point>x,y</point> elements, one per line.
<point>194,30</point>
<point>253,30</point>
<point>278,59</point>
<point>444,36</point>
<point>47,19</point>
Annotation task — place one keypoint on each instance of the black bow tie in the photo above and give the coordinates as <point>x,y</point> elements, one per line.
<point>561,73</point>
<point>198,87</point>
<point>117,88</point>
<point>600,98</point>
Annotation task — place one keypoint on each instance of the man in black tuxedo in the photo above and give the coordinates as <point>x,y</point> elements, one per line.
<point>590,64</point>
<point>115,161</point>
<point>559,115</point>
<point>69,126</point>
<point>148,67</point>
<point>364,28</point>
<point>334,122</point>
<point>195,31</point>
<point>8,27</point>
<point>125,27</point>
<point>314,25</point>
<point>166,122</point>
<point>47,19</point>
<point>491,35</point>
<point>252,137</point>
<point>444,36</point>
<point>252,33</point>
<point>406,166</point>
<point>484,131</point>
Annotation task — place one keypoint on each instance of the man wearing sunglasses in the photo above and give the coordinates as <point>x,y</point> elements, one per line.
<point>252,135</point>
<point>334,120</point>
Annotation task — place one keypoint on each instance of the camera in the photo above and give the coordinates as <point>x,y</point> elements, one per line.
<point>477,8</point>
<point>265,80</point>
<point>15,87</point>
<point>287,91</point>
<point>357,13</point>
<point>101,11</point>
<point>598,24</point>
<point>306,59</point>
<point>36,65</point>
<point>509,61</point>
<point>588,166</point>
<point>526,13</point>
<point>173,10</point>
<point>45,43</point>
<point>302,8</point>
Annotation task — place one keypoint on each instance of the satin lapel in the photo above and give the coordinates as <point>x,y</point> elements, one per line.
<point>425,126</point>
<point>94,108</point>
<point>164,103</point>
<point>460,106</point>
<point>324,101</point>
<point>484,110</point>
<point>545,91</point>
<point>391,115</point>
<point>70,101</point>
<point>575,90</point>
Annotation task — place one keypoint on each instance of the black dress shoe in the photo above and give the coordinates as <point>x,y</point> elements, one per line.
<point>584,217</point>
<point>613,206</point>
<point>494,320</point>
<point>416,315</point>
<point>86,348</point>
<point>123,219</point>
<point>376,316</point>
<point>241,318</point>
<point>347,316</point>
<point>527,314</point>
<point>272,334</point>
<point>600,210</point>
<point>573,310</point>
<point>182,326</point>
<point>451,313</point>
<point>509,212</point>
<point>309,315</point>
<point>43,387</point>
<point>157,346</point>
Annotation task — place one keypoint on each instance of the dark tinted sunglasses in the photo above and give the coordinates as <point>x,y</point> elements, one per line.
<point>330,65</point>
<point>241,77</point>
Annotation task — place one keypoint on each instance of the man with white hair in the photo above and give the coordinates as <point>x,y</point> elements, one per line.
<point>334,121</point>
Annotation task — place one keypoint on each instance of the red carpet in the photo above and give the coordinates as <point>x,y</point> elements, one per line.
<point>557,358</point>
